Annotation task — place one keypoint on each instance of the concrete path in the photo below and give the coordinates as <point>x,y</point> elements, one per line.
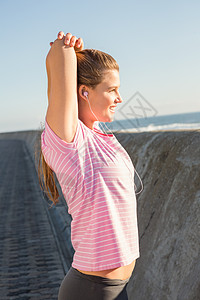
<point>30,262</point>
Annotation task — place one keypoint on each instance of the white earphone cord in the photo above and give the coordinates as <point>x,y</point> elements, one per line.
<point>142,187</point>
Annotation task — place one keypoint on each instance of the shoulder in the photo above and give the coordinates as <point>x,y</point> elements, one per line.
<point>51,140</point>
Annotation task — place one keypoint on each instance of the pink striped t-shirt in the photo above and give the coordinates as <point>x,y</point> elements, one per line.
<point>96,175</point>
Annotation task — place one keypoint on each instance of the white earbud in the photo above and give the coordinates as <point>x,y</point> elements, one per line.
<point>85,94</point>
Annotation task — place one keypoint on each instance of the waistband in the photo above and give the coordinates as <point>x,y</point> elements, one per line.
<point>101,280</point>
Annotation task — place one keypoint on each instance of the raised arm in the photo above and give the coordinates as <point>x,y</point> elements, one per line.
<point>61,65</point>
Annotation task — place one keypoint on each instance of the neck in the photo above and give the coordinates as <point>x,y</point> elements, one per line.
<point>88,123</point>
<point>85,117</point>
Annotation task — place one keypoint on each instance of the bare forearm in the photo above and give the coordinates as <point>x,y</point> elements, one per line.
<point>61,62</point>
<point>61,66</point>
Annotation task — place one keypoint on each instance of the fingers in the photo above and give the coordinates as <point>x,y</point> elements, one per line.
<point>60,35</point>
<point>70,40</point>
<point>79,42</point>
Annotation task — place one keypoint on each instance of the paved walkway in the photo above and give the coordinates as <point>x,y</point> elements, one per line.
<point>30,265</point>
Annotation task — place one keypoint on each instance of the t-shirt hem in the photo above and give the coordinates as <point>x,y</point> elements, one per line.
<point>105,267</point>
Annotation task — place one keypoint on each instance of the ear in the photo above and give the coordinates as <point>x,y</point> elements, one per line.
<point>82,92</point>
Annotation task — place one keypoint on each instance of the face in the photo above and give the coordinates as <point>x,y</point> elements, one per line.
<point>105,97</point>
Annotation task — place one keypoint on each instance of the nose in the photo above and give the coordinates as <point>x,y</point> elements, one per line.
<point>119,98</point>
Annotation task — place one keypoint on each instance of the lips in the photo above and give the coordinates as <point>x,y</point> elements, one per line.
<point>112,108</point>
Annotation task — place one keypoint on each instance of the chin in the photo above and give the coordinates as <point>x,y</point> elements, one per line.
<point>108,119</point>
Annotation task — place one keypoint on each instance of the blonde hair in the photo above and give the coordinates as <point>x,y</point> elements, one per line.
<point>91,66</point>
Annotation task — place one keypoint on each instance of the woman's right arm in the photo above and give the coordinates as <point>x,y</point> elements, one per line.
<point>61,65</point>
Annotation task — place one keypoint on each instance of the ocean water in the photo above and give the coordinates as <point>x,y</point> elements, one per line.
<point>186,121</point>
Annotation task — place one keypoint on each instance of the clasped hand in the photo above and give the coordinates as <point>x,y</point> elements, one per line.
<point>70,40</point>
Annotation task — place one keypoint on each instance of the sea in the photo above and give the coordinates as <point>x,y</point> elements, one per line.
<point>183,121</point>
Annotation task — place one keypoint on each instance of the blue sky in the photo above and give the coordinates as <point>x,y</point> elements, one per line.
<point>156,43</point>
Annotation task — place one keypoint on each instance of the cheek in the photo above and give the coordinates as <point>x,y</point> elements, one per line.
<point>104,102</point>
<point>109,99</point>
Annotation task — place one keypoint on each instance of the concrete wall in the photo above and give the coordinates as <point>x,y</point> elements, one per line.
<point>168,213</point>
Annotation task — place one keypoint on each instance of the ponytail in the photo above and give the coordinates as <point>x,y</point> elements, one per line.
<point>47,179</point>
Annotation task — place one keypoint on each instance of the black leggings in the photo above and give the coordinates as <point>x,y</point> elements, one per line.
<point>79,286</point>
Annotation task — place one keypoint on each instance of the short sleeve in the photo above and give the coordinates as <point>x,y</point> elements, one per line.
<point>51,140</point>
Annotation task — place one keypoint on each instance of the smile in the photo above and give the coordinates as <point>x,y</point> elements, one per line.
<point>112,108</point>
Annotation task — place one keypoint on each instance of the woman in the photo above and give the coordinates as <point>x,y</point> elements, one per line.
<point>94,171</point>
